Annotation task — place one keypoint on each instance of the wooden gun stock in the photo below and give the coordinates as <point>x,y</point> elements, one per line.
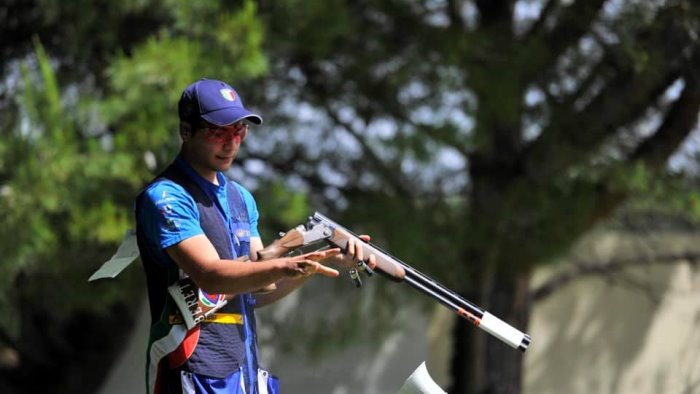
<point>291,240</point>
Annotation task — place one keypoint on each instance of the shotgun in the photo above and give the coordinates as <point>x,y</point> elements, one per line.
<point>321,233</point>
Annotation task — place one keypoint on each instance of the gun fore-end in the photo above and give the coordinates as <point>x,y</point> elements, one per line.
<point>386,264</point>
<point>389,268</point>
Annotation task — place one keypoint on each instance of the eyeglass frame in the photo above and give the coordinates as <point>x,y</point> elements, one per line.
<point>215,133</point>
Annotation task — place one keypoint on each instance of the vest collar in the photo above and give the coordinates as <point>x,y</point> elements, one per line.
<point>202,182</point>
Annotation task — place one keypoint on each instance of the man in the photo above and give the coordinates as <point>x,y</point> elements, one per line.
<point>192,221</point>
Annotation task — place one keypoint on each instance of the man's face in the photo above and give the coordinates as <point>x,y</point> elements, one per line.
<point>213,148</point>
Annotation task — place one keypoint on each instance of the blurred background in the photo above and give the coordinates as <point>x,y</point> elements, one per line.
<point>540,157</point>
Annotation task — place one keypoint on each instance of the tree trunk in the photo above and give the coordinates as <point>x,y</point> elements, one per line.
<point>480,362</point>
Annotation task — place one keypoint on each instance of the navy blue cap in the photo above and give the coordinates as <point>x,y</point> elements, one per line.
<point>214,101</point>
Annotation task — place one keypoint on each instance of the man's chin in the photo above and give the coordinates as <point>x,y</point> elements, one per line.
<point>223,164</point>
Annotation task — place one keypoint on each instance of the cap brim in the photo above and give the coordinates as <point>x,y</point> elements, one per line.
<point>228,116</point>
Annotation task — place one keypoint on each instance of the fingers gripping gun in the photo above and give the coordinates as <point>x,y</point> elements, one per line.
<point>321,233</point>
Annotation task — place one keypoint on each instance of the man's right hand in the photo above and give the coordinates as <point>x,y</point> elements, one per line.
<point>307,264</point>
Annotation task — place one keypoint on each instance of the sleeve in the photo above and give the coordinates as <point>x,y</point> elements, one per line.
<point>170,214</point>
<point>252,207</point>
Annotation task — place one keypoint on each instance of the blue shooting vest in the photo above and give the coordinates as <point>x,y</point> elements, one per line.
<point>221,349</point>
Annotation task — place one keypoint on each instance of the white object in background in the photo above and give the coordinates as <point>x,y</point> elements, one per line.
<point>420,382</point>
<point>128,252</point>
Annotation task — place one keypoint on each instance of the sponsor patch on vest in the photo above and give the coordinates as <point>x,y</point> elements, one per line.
<point>172,224</point>
<point>242,233</point>
<point>211,300</point>
<point>166,209</point>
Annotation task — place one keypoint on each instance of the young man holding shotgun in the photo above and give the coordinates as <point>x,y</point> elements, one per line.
<point>193,221</point>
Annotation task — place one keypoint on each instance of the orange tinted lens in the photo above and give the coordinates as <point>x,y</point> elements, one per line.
<point>221,134</point>
<point>215,134</point>
<point>240,129</point>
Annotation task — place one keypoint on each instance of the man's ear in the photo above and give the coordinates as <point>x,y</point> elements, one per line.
<point>185,131</point>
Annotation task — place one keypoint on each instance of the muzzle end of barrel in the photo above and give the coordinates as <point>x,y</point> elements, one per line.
<point>525,343</point>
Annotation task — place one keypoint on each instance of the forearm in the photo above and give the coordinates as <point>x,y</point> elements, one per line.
<point>235,277</point>
<point>284,287</point>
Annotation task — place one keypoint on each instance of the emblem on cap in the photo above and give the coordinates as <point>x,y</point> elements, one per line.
<point>228,94</point>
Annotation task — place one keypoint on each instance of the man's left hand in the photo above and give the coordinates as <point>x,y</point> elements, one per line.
<point>353,255</point>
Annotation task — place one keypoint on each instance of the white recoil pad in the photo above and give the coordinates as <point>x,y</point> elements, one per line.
<point>420,382</point>
<point>501,330</point>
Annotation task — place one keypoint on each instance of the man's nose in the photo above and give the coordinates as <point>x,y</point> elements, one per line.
<point>231,140</point>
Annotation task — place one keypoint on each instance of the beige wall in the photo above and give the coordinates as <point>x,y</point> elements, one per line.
<point>635,334</point>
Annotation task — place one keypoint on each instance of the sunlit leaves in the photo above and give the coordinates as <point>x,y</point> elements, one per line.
<point>145,85</point>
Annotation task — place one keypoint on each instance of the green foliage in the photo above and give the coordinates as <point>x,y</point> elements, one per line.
<point>68,197</point>
<point>145,85</point>
<point>401,119</point>
<point>60,194</point>
<point>282,208</point>
<point>310,25</point>
<point>674,196</point>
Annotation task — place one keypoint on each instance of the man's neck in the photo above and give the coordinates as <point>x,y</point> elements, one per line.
<point>206,173</point>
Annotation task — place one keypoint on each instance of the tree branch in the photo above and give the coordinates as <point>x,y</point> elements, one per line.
<point>573,134</point>
<point>391,176</point>
<point>628,280</point>
<point>286,166</point>
<point>574,21</point>
<point>495,12</point>
<point>597,268</point>
<point>605,66</point>
<point>537,28</point>
<point>6,339</point>
<point>680,120</point>
<point>543,48</point>
<point>453,12</point>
